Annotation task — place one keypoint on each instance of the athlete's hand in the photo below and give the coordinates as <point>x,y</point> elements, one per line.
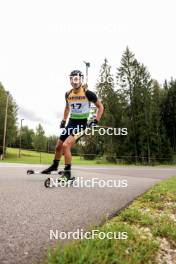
<point>62,124</point>
<point>93,123</point>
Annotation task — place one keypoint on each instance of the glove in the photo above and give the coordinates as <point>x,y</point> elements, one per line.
<point>93,123</point>
<point>62,124</point>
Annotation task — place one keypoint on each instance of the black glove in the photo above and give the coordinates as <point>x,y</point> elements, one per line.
<point>62,124</point>
<point>93,123</point>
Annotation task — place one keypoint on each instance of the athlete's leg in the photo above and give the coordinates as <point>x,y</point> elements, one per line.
<point>67,145</point>
<point>58,150</point>
<point>57,157</point>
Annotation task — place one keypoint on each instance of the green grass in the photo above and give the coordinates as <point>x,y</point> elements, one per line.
<point>146,221</point>
<point>33,157</point>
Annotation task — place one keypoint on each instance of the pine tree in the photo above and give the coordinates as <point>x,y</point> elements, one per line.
<point>134,84</point>
<point>137,90</point>
<point>11,117</point>
<point>169,112</point>
<point>111,117</point>
<point>160,145</point>
<point>39,139</point>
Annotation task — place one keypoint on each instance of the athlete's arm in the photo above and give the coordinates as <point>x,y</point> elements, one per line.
<point>67,108</point>
<point>100,111</point>
<point>93,98</point>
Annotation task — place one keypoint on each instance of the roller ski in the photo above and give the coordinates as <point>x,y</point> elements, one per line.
<point>40,172</point>
<point>53,169</point>
<point>65,180</point>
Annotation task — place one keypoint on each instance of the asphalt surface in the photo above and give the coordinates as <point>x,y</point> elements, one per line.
<point>28,211</point>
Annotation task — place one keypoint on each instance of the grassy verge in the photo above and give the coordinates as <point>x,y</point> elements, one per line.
<point>150,222</point>
<point>33,157</point>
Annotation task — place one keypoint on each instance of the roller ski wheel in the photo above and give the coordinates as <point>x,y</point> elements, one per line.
<point>61,182</point>
<point>30,172</point>
<point>47,183</point>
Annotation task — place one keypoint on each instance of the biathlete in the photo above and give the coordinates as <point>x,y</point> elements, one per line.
<point>78,101</point>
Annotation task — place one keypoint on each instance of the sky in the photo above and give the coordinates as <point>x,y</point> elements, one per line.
<point>42,41</point>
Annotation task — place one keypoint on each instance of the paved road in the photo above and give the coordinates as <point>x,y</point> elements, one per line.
<point>28,211</point>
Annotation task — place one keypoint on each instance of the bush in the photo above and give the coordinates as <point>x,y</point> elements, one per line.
<point>89,156</point>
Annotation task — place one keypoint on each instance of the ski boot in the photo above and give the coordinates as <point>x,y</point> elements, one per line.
<point>53,167</point>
